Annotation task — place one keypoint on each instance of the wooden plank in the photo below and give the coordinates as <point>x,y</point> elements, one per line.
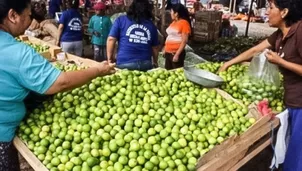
<point>217,151</point>
<point>242,144</point>
<point>33,161</point>
<point>233,161</point>
<point>251,155</point>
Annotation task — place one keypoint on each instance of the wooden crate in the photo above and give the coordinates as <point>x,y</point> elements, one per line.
<point>32,160</point>
<point>208,16</point>
<point>230,155</point>
<point>233,153</point>
<point>207,26</point>
<point>205,36</point>
<point>52,51</point>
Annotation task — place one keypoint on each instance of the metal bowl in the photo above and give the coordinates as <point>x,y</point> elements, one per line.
<point>202,77</point>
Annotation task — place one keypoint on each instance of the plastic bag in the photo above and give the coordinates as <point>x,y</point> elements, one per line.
<point>188,49</point>
<point>261,68</point>
<point>262,80</point>
<point>193,59</point>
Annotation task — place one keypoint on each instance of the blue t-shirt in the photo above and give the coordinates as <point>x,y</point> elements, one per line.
<point>54,6</point>
<point>135,41</point>
<point>72,21</point>
<point>21,70</point>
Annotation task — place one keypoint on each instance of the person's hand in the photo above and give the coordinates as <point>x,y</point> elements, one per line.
<point>175,58</point>
<point>155,64</point>
<point>105,68</point>
<point>224,67</point>
<point>97,34</point>
<point>273,57</point>
<point>57,43</point>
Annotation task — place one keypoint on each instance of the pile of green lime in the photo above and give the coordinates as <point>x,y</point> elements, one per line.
<point>246,88</point>
<point>132,121</point>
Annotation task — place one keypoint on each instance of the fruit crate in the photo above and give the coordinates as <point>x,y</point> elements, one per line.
<point>237,150</point>
<point>208,16</point>
<point>52,51</point>
<point>221,157</point>
<point>206,36</point>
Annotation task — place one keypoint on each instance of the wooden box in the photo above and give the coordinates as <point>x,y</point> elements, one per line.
<point>52,51</point>
<point>237,150</point>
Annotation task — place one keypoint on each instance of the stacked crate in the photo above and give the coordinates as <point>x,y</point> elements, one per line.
<point>207,25</point>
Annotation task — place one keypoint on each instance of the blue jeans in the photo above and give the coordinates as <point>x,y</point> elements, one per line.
<point>75,48</point>
<point>293,157</point>
<point>138,65</point>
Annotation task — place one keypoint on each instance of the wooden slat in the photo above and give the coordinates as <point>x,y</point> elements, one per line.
<point>241,145</point>
<point>32,160</point>
<point>251,155</point>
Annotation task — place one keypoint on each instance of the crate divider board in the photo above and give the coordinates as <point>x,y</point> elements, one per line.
<point>32,160</point>
<point>52,51</point>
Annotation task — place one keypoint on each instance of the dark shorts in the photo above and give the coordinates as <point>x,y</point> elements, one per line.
<point>169,64</point>
<point>9,160</point>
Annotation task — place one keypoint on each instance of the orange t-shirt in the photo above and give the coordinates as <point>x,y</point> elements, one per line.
<point>174,31</point>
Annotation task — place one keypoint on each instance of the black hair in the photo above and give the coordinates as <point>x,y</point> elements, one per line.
<point>182,11</point>
<point>74,4</point>
<point>17,5</point>
<point>38,10</point>
<point>225,23</point>
<point>294,10</point>
<point>140,10</point>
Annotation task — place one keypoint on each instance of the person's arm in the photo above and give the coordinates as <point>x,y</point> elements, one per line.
<point>155,51</point>
<point>111,41</point>
<point>182,46</point>
<point>35,73</point>
<point>66,80</point>
<point>60,31</point>
<point>90,26</point>
<point>296,68</point>
<point>247,55</point>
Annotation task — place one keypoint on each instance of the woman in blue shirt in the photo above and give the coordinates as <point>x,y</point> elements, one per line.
<point>137,38</point>
<point>23,70</point>
<point>54,6</point>
<point>70,29</point>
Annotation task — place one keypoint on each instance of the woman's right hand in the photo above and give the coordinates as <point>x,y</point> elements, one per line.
<point>224,67</point>
<point>105,68</point>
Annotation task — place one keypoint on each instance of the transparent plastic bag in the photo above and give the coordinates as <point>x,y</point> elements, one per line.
<point>261,81</point>
<point>193,59</point>
<point>261,68</point>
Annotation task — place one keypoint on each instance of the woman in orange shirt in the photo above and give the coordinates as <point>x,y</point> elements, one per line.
<point>178,34</point>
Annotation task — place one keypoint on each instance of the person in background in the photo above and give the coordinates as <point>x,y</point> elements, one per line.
<point>99,26</point>
<point>178,34</point>
<point>137,38</point>
<point>70,29</point>
<point>227,30</point>
<point>55,6</point>
<point>197,6</point>
<point>39,10</point>
<point>23,70</point>
<point>210,2</point>
<point>285,46</point>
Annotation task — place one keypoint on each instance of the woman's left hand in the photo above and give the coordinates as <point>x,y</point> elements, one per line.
<point>175,58</point>
<point>273,57</point>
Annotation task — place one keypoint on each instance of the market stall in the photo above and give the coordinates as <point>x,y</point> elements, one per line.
<point>211,124</point>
